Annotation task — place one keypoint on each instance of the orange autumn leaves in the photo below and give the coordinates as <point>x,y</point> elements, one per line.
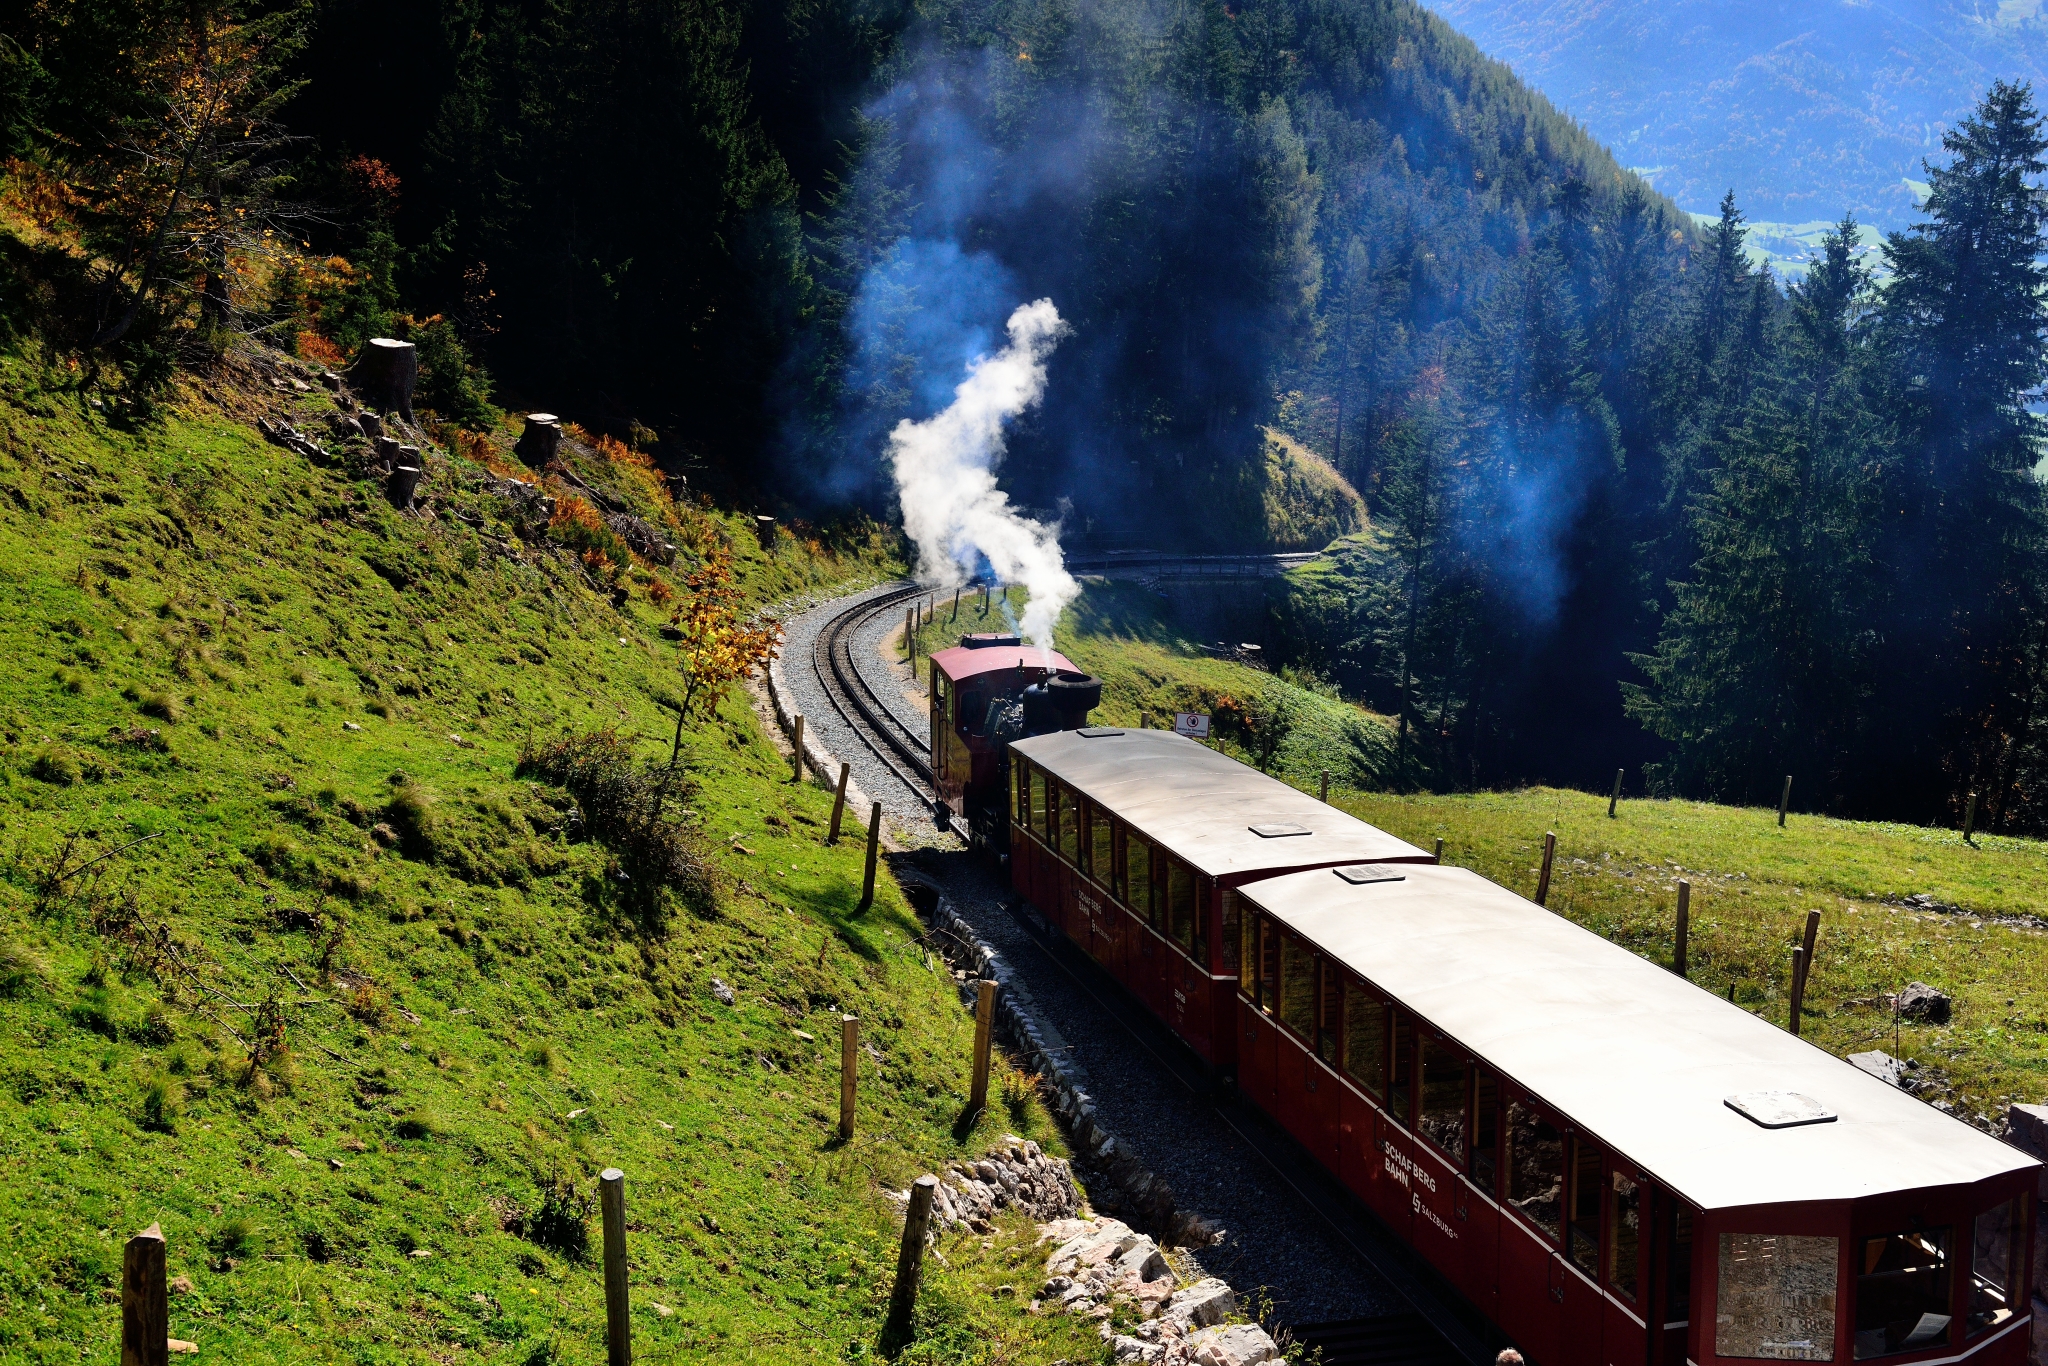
<point>720,644</point>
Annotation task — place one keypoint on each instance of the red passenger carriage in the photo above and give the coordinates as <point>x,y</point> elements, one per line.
<point>1613,1165</point>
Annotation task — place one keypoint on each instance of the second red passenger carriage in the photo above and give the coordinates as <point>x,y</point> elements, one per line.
<point>1614,1166</point>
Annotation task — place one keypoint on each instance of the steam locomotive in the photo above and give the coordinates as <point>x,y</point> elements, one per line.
<point>986,692</point>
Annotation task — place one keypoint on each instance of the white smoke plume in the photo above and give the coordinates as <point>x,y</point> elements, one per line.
<point>945,477</point>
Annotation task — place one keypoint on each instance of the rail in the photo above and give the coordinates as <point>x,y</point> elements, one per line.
<point>899,749</point>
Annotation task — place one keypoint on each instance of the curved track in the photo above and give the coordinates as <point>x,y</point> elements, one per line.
<point>899,748</point>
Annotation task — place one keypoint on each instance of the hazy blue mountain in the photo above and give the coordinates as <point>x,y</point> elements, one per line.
<point>1803,109</point>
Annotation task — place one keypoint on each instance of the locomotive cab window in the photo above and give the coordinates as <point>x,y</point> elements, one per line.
<point>1995,1282</point>
<point>1297,986</point>
<point>1535,1167</point>
<point>1902,1300</point>
<point>1365,1037</point>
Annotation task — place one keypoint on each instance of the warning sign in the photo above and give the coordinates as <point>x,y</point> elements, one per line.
<point>1193,724</point>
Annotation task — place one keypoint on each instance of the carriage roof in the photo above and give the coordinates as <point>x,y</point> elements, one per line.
<point>1640,1057</point>
<point>1201,806</point>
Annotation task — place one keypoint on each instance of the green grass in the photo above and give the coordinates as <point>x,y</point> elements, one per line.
<point>1752,883</point>
<point>207,653</point>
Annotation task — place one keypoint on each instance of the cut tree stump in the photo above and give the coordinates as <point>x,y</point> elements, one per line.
<point>387,372</point>
<point>538,442</point>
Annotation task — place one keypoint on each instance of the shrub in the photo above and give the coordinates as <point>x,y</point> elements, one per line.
<point>560,1222</point>
<point>56,765</point>
<point>626,808</point>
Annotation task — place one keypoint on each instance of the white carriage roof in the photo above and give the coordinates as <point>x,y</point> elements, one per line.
<point>1635,1055</point>
<point>1201,805</point>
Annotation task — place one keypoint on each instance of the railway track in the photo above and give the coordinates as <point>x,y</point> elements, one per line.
<point>896,746</point>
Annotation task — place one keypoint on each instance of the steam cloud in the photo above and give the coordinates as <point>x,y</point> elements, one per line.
<point>945,478</point>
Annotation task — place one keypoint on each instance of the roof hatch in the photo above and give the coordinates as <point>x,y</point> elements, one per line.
<point>1779,1109</point>
<point>1275,830</point>
<point>1359,874</point>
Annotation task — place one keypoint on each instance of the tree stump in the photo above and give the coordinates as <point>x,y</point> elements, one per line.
<point>386,372</point>
<point>404,480</point>
<point>537,444</point>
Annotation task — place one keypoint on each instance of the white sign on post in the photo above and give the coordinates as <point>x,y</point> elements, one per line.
<point>1193,724</point>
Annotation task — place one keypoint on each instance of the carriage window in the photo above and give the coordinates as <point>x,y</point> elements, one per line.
<point>1624,1235</point>
<point>1269,965</point>
<point>1589,1167</point>
<point>1231,933</point>
<point>1535,1163</point>
<point>1138,877</point>
<point>2000,1234</point>
<point>1102,834</point>
<point>1678,1263</point>
<point>1248,955</point>
<point>1046,805</point>
<point>1020,792</point>
<point>1485,1128</point>
<point>1777,1297</point>
<point>1330,1017</point>
<point>1901,1292</point>
<point>1070,826</point>
<point>1365,1038</point>
<point>1205,897</point>
<point>1403,1073</point>
<point>1086,845</point>
<point>1297,986</point>
<point>1180,903</point>
<point>1443,1095</point>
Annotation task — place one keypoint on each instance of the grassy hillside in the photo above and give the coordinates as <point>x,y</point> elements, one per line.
<point>1982,937</point>
<point>355,1012</point>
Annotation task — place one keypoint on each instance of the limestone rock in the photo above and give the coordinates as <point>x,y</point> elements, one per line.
<point>1206,1302</point>
<point>1922,1002</point>
<point>723,992</point>
<point>1239,1344</point>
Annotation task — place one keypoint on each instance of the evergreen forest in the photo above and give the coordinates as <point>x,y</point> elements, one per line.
<point>1635,503</point>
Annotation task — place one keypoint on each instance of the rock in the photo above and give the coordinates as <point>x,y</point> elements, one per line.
<point>1206,1302</point>
<point>350,725</point>
<point>1922,1002</point>
<point>180,1285</point>
<point>662,1309</point>
<point>2028,1125</point>
<point>1879,1064</point>
<point>723,992</point>
<point>1240,1344</point>
<point>334,1163</point>
<point>1135,1349</point>
<point>181,1346</point>
<point>421,1252</point>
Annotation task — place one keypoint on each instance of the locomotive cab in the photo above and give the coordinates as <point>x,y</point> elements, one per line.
<point>986,691</point>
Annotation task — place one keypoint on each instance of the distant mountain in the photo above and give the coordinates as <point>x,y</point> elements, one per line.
<point>1803,109</point>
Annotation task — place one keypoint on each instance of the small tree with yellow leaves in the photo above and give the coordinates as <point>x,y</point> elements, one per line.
<point>720,644</point>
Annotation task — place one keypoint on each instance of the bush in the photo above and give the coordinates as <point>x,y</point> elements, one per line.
<point>627,808</point>
<point>560,1223</point>
<point>453,386</point>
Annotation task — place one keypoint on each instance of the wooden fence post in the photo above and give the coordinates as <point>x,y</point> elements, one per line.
<point>618,1320</point>
<point>1969,818</point>
<point>910,637</point>
<point>1784,800</point>
<point>1684,927</point>
<point>1614,796</point>
<point>984,599</point>
<point>1439,848</point>
<point>1324,795</point>
<point>917,1222</point>
<point>849,1071</point>
<point>797,750</point>
<point>145,1304</point>
<point>867,886</point>
<point>1543,877</point>
<point>839,801</point>
<point>1798,984</point>
<point>984,1026</point>
<point>956,606</point>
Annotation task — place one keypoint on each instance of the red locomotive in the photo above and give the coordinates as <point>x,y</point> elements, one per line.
<point>1611,1164</point>
<point>986,691</point>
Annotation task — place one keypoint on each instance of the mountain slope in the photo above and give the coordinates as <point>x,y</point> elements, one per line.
<point>355,1010</point>
<point>1803,110</point>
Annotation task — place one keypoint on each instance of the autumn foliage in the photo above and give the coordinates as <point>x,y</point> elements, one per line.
<point>720,644</point>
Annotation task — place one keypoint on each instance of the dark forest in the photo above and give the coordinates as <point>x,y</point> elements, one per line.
<point>1636,503</point>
